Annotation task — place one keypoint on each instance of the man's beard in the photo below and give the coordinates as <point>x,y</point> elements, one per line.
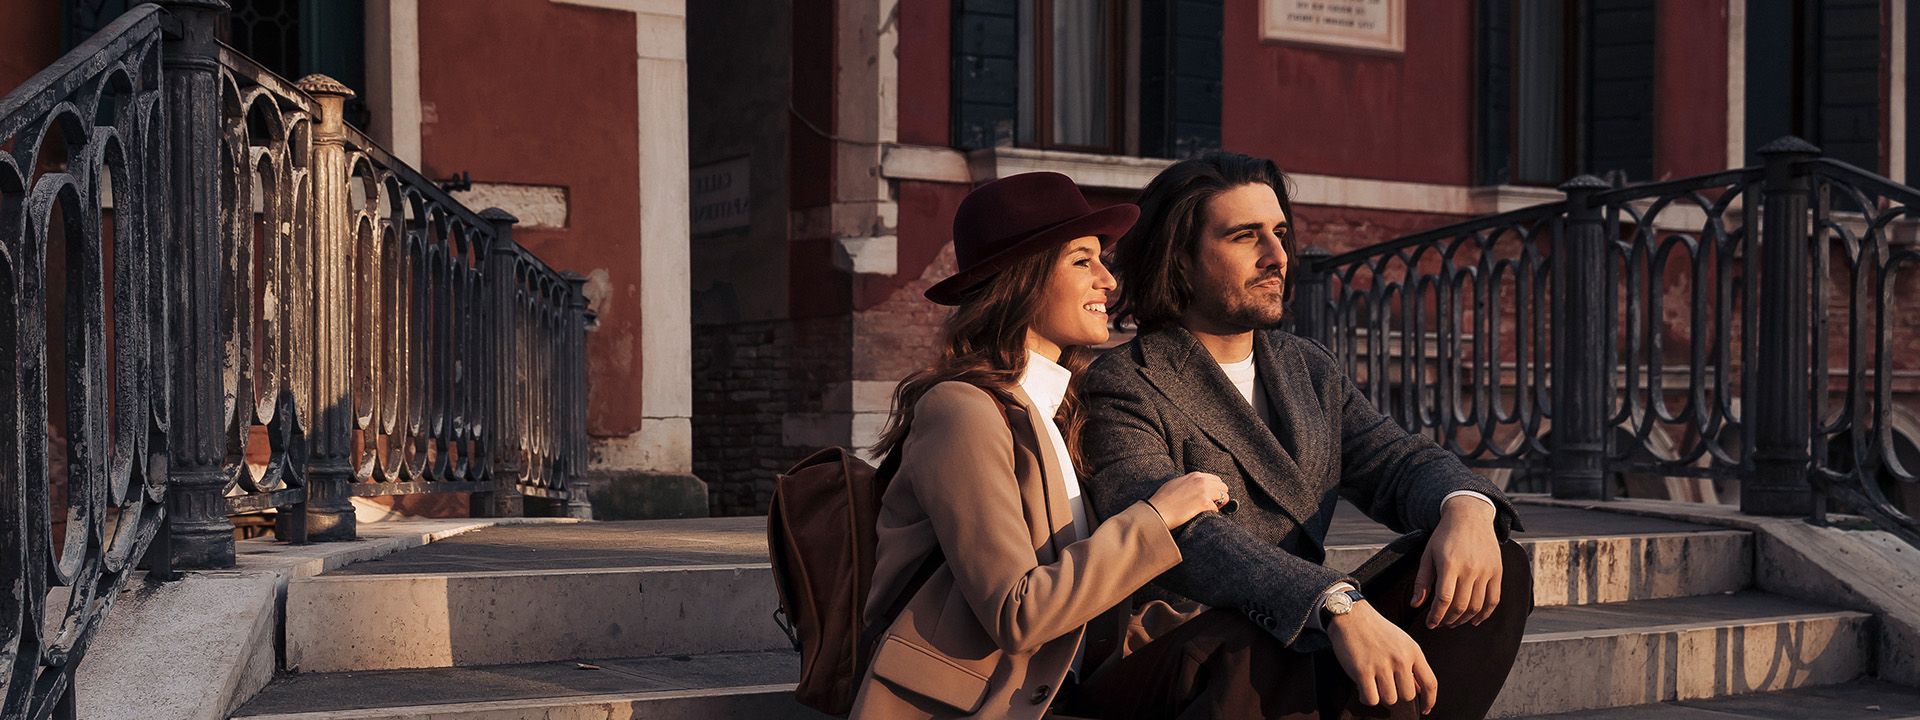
<point>1246,308</point>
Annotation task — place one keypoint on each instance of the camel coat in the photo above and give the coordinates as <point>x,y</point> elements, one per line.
<point>993,631</point>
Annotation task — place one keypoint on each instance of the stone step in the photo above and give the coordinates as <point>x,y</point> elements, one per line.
<point>1858,700</point>
<point>1574,658</point>
<point>380,622</point>
<point>1681,649</point>
<point>718,685</point>
<point>346,622</point>
<point>1618,568</point>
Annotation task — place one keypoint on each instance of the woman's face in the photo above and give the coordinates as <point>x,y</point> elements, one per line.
<point>1073,301</point>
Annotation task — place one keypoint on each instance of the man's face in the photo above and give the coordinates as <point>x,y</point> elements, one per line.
<point>1239,264</point>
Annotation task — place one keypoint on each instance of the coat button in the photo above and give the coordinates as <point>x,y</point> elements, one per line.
<point>1040,694</point>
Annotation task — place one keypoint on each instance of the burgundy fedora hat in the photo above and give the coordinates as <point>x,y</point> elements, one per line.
<point>1017,216</point>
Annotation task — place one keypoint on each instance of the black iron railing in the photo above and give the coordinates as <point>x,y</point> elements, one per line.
<point>1687,328</point>
<point>83,383</point>
<point>223,300</point>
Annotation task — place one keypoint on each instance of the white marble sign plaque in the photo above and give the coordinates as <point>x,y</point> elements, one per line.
<point>1368,25</point>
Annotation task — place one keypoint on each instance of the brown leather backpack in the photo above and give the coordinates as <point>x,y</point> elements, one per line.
<point>820,539</point>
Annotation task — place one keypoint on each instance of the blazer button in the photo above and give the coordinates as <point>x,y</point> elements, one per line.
<point>1040,694</point>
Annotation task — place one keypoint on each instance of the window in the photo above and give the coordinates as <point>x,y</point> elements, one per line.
<point>1101,76</point>
<point>1073,61</point>
<point>1813,70</point>
<point>1565,87</point>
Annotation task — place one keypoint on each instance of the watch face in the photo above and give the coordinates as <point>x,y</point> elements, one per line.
<point>1339,604</point>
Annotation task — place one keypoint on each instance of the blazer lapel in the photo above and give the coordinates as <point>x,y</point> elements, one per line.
<point>1053,488</point>
<point>1180,368</point>
<point>1295,404</point>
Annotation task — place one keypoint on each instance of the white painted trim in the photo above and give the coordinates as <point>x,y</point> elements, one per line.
<point>666,322</point>
<point>923,162</point>
<point>1113,172</point>
<point>393,75</point>
<point>1897,90</point>
<point>1736,83</point>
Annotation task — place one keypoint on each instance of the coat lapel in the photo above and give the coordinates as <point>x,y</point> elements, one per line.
<point>1053,489</point>
<point>1180,368</point>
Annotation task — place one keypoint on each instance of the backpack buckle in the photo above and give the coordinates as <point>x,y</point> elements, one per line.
<point>786,626</point>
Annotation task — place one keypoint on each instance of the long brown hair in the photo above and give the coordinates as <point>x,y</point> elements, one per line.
<point>1153,259</point>
<point>986,346</point>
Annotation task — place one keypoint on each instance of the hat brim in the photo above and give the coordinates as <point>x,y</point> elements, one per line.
<point>1107,223</point>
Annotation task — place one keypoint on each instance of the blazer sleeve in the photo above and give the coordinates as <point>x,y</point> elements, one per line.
<point>958,458</point>
<point>1398,478</point>
<point>1126,448</point>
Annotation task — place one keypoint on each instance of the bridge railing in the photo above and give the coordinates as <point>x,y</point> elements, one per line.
<point>354,330</point>
<point>1743,326</point>
<point>84,401</point>
<point>221,300</point>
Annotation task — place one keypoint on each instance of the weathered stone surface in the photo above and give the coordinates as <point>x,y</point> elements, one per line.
<point>641,495</point>
<point>198,647</point>
<point>1649,651</point>
<point>192,649</point>
<point>1617,568</point>
<point>725,684</point>
<point>366,622</point>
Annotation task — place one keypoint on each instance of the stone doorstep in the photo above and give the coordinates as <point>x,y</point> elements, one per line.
<point>138,667</point>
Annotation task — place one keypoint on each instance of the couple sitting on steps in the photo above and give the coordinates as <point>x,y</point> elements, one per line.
<point>1147,541</point>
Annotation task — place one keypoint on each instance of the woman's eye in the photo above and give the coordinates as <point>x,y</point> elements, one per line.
<point>1083,262</point>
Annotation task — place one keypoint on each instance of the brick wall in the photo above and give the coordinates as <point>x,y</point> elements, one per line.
<point>748,378</point>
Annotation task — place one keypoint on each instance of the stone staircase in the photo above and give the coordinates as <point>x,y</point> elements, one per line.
<point>673,619</point>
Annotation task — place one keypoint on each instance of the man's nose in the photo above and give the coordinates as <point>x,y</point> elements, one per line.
<point>1272,251</point>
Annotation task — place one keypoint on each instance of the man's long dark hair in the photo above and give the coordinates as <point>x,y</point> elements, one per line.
<point>986,346</point>
<point>1154,259</point>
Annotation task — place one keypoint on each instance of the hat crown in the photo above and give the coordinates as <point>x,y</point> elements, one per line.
<point>1000,214</point>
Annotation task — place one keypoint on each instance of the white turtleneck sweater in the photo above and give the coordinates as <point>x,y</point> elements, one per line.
<point>1045,382</point>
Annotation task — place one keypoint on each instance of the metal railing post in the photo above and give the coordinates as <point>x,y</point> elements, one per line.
<point>1310,301</point>
<point>1781,414</point>
<point>199,534</point>
<point>330,471</point>
<point>572,373</point>
<point>502,424</point>
<point>1578,442</point>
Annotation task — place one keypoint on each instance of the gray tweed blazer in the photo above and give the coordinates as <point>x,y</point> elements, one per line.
<point>1159,406</point>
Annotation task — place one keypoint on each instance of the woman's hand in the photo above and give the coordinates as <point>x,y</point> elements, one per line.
<point>1184,497</point>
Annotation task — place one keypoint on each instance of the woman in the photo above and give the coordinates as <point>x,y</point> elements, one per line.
<point>986,477</point>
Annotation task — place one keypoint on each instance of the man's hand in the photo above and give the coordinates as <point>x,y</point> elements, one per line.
<point>1387,667</point>
<point>1460,570</point>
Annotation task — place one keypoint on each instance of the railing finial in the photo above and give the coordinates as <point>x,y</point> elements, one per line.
<point>1789,144</point>
<point>1583,182</point>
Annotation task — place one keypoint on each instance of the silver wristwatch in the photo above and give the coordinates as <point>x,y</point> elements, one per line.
<point>1338,603</point>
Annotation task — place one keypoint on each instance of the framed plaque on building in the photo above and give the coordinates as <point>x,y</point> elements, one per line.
<point>1378,26</point>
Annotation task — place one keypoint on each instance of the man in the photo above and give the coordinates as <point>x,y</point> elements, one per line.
<point>1430,625</point>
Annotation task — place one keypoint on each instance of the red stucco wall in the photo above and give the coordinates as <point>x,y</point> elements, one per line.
<point>926,37</point>
<point>29,39</point>
<point>1690,88</point>
<point>532,92</point>
<point>1406,117</point>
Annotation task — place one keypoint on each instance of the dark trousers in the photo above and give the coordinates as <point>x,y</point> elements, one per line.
<point>1221,665</point>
